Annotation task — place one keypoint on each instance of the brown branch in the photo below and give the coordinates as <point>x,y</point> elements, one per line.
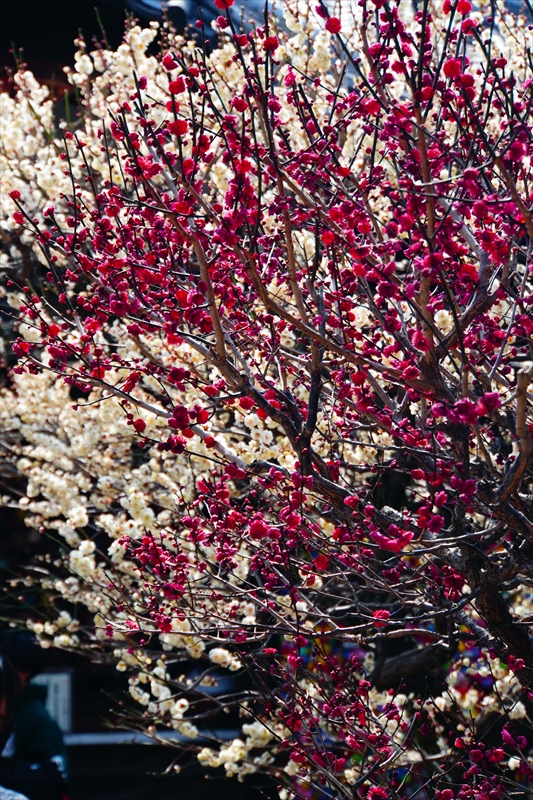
<point>291,259</point>
<point>511,185</point>
<point>512,480</point>
<point>406,665</point>
<point>504,627</point>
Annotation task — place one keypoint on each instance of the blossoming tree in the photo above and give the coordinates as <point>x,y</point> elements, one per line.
<point>273,387</point>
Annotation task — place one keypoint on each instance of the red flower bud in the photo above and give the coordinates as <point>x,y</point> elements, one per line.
<point>452,67</point>
<point>271,43</point>
<point>178,127</point>
<point>169,63</point>
<point>333,25</point>
<point>177,86</point>
<point>321,562</point>
<point>381,617</point>
<point>246,403</point>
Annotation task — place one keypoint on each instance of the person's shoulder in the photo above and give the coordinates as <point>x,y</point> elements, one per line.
<point>34,715</point>
<point>32,701</point>
<point>33,692</point>
<point>33,724</point>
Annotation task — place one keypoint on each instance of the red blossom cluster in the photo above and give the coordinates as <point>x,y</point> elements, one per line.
<point>360,285</point>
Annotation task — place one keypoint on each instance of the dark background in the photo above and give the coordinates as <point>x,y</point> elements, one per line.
<point>134,772</point>
<point>42,32</point>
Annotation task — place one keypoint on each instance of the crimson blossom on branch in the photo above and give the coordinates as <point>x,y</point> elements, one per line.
<point>273,388</point>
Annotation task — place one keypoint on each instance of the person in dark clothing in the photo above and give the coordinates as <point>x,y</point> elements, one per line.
<point>33,760</point>
<point>9,689</point>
